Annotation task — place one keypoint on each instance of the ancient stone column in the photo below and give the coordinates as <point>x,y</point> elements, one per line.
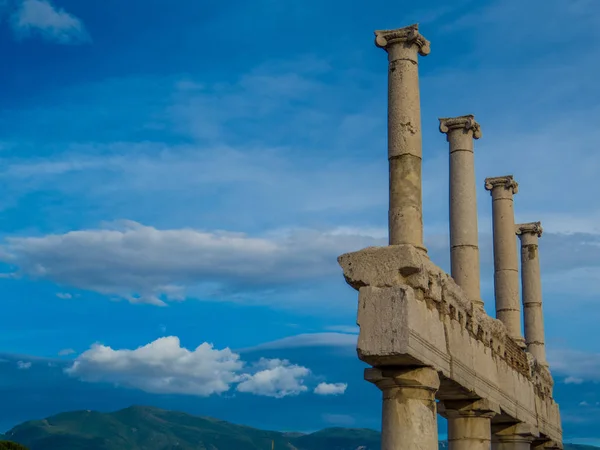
<point>409,417</point>
<point>464,247</point>
<point>469,424</point>
<point>404,133</point>
<point>513,437</point>
<point>506,263</point>
<point>531,285</point>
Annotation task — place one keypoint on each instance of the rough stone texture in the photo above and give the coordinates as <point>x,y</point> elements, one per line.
<point>410,312</point>
<point>531,286</point>
<point>506,263</point>
<point>513,436</point>
<point>404,133</point>
<point>469,423</point>
<point>464,246</point>
<point>408,408</point>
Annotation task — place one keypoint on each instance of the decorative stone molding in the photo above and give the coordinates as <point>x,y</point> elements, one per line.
<point>468,123</point>
<point>506,181</point>
<point>410,35</point>
<point>531,227</point>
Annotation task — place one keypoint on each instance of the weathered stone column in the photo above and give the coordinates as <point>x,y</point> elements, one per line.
<point>469,424</point>
<point>531,285</point>
<point>513,437</point>
<point>404,133</point>
<point>464,247</point>
<point>409,417</point>
<point>506,264</point>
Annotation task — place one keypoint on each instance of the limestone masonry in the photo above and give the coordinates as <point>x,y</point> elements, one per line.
<point>432,347</point>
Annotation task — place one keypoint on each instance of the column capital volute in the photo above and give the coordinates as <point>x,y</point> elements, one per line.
<point>409,377</point>
<point>468,408</point>
<point>466,123</point>
<point>410,35</point>
<point>506,182</point>
<point>529,228</point>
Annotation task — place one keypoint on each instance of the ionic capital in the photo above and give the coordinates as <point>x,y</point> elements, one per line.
<point>409,377</point>
<point>466,123</point>
<point>410,34</point>
<point>468,408</point>
<point>507,182</point>
<point>531,227</point>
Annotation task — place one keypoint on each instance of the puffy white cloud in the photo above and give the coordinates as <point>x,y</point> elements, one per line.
<point>23,365</point>
<point>275,378</point>
<point>41,17</point>
<point>162,366</point>
<point>330,388</point>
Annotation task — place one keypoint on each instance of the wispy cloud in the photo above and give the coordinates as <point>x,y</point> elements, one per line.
<point>41,17</point>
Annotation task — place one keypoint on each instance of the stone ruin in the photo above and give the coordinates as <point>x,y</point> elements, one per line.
<point>432,347</point>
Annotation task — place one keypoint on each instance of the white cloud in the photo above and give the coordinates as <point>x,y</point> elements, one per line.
<point>41,17</point>
<point>308,340</point>
<point>64,295</point>
<point>162,366</point>
<point>577,366</point>
<point>66,351</point>
<point>145,264</point>
<point>330,388</point>
<point>583,403</point>
<point>23,365</point>
<point>275,378</point>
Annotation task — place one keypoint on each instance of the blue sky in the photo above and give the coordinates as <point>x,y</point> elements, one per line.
<point>191,170</point>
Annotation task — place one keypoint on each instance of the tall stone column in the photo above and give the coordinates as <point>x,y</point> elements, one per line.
<point>409,418</point>
<point>469,423</point>
<point>404,133</point>
<point>464,246</point>
<point>513,437</point>
<point>506,264</point>
<point>531,285</point>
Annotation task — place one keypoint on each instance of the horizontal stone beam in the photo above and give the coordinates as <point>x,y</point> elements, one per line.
<point>411,313</point>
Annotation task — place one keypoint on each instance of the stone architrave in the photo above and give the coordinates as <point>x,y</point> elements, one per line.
<point>404,133</point>
<point>531,286</point>
<point>464,245</point>
<point>409,413</point>
<point>506,263</point>
<point>469,423</point>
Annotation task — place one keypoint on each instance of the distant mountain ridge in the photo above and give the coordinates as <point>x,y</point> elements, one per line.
<point>148,428</point>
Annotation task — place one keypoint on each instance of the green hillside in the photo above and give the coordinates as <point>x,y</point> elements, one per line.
<point>147,428</point>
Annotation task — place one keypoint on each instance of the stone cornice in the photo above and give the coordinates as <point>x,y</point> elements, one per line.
<point>410,34</point>
<point>468,122</point>
<point>506,181</point>
<point>531,227</point>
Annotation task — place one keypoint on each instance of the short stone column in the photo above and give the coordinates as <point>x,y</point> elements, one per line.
<point>404,133</point>
<point>531,286</point>
<point>469,423</point>
<point>409,417</point>
<point>506,263</point>
<point>464,242</point>
<point>513,437</point>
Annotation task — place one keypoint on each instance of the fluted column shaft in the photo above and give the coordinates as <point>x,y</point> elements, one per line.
<point>464,242</point>
<point>506,263</point>
<point>404,133</point>
<point>531,285</point>
<point>409,414</point>
<point>469,424</point>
